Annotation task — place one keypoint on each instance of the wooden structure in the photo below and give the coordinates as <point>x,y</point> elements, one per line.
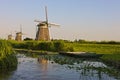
<point>42,30</point>
<point>10,37</point>
<point>18,36</point>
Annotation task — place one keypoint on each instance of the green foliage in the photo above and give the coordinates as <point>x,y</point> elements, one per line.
<point>7,58</point>
<point>5,48</point>
<point>46,46</point>
<point>112,59</point>
<point>42,45</point>
<point>59,45</point>
<point>97,48</point>
<point>96,42</point>
<point>28,39</point>
<point>63,45</point>
<point>103,47</point>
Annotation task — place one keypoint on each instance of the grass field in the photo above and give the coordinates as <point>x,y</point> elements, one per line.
<point>97,48</point>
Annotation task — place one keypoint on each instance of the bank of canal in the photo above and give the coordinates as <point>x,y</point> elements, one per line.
<point>57,67</point>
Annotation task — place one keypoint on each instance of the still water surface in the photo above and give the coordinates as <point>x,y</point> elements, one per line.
<point>48,69</point>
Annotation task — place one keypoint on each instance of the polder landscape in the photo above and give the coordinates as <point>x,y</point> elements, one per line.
<point>45,57</point>
<point>21,60</point>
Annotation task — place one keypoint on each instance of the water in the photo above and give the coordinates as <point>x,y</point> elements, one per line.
<point>57,67</point>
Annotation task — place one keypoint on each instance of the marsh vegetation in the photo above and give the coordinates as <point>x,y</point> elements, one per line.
<point>8,59</point>
<point>109,49</point>
<point>106,67</point>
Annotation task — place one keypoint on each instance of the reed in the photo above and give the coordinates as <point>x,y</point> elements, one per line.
<point>8,59</point>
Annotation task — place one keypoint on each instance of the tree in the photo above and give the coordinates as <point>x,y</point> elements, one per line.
<point>28,39</point>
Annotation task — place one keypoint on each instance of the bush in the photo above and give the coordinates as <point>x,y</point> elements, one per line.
<point>59,46</point>
<point>48,46</point>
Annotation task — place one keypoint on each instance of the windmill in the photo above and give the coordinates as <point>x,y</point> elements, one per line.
<point>43,31</point>
<point>10,37</point>
<point>19,35</point>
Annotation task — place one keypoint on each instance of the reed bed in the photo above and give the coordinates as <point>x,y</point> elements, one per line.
<point>8,60</point>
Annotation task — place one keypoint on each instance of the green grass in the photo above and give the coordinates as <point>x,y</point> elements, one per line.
<point>67,46</point>
<point>8,60</point>
<point>110,51</point>
<point>41,45</point>
<point>112,60</point>
<point>97,48</point>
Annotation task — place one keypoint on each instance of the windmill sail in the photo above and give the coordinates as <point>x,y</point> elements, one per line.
<point>46,15</point>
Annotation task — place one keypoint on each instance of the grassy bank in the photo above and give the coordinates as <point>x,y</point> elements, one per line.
<point>8,60</point>
<point>110,50</point>
<point>112,59</point>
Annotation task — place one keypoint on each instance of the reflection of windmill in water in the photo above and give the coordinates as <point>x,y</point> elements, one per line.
<point>43,31</point>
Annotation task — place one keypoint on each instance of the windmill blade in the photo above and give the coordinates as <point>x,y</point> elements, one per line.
<point>38,21</point>
<point>36,29</point>
<point>24,34</point>
<point>46,15</point>
<point>20,28</point>
<point>53,24</point>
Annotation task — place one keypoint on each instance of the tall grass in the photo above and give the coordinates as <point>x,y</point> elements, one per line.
<point>7,58</point>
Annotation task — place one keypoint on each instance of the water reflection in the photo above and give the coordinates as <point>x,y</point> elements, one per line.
<point>44,63</point>
<point>88,69</point>
<point>56,67</point>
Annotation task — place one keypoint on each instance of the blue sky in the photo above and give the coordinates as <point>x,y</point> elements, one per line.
<point>79,19</point>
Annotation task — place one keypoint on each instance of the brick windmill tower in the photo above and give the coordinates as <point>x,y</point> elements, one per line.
<point>10,37</point>
<point>19,35</point>
<point>43,30</point>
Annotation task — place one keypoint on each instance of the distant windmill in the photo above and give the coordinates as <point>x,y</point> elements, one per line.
<point>19,35</point>
<point>10,37</point>
<point>43,31</point>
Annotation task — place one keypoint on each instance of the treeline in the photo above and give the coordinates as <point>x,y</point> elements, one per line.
<point>96,42</point>
<point>81,41</point>
<point>8,59</point>
<point>57,45</point>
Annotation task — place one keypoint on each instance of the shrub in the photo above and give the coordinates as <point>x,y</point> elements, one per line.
<point>59,46</point>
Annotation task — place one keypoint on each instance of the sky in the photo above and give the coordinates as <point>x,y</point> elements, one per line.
<point>79,19</point>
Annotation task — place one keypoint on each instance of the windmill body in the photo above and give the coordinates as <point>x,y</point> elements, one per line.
<point>18,36</point>
<point>10,37</point>
<point>42,32</point>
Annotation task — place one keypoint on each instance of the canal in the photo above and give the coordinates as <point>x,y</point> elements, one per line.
<point>57,67</point>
